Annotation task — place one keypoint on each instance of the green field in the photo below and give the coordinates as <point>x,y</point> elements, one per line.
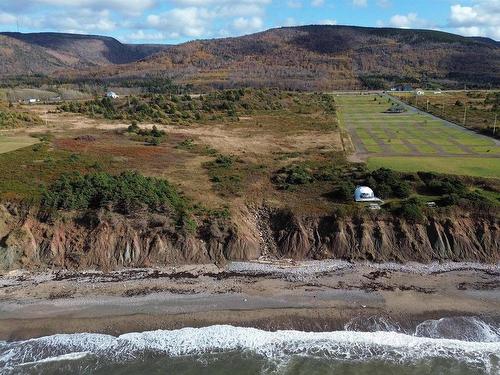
<point>482,106</point>
<point>412,141</point>
<point>480,167</point>
<point>14,142</point>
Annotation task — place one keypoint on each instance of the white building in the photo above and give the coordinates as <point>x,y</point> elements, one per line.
<point>420,92</point>
<point>112,95</point>
<point>365,194</point>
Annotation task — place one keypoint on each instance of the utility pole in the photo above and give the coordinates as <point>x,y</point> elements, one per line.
<point>495,124</point>
<point>442,113</point>
<point>427,105</point>
<point>465,113</point>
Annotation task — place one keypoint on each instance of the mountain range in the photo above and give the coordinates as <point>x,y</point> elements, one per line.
<point>304,57</point>
<point>47,53</point>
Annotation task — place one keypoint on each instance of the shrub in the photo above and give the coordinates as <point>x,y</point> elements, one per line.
<point>224,161</point>
<point>153,137</point>
<point>401,189</point>
<point>156,133</point>
<point>125,192</point>
<point>344,191</point>
<point>388,183</point>
<point>445,185</point>
<point>133,127</point>
<point>187,144</point>
<point>411,210</point>
<point>293,175</point>
<point>383,190</point>
<point>154,141</point>
<point>385,175</point>
<point>478,201</point>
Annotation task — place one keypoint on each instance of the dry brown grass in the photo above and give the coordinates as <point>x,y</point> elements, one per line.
<point>258,140</point>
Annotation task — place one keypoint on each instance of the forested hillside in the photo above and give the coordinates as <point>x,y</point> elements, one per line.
<point>327,57</point>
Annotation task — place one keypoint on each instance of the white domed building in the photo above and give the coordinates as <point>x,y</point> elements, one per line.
<point>365,194</point>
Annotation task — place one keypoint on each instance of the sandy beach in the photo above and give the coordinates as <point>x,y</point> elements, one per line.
<point>311,296</point>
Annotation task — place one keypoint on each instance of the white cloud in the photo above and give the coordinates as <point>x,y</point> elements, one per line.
<point>328,22</point>
<point>248,25</point>
<point>192,21</point>
<point>482,18</point>
<point>290,21</point>
<point>206,18</point>
<point>122,6</point>
<point>236,9</point>
<point>384,3</point>
<point>360,3</point>
<point>404,21</point>
<point>141,36</point>
<point>7,19</point>
<point>317,3</point>
<point>84,22</point>
<point>295,4</point>
<point>75,25</point>
<point>205,3</point>
<point>407,21</point>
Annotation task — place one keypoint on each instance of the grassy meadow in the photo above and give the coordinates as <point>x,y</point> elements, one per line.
<point>411,141</point>
<point>10,143</point>
<point>229,151</point>
<point>460,166</point>
<point>477,108</point>
<point>219,150</point>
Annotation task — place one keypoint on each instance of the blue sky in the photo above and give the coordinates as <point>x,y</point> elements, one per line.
<point>175,21</point>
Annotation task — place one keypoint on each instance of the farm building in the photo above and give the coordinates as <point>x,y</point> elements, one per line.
<point>112,95</point>
<point>365,194</point>
<point>402,87</point>
<point>420,92</point>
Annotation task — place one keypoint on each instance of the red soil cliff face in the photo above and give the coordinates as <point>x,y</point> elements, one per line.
<point>108,241</point>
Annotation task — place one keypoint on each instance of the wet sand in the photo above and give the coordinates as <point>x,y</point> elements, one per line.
<point>311,296</point>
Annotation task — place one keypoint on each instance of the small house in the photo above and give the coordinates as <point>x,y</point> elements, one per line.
<point>402,87</point>
<point>112,95</point>
<point>420,92</point>
<point>32,100</point>
<point>365,194</point>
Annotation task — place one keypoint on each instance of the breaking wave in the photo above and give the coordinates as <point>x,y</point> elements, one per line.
<point>477,346</point>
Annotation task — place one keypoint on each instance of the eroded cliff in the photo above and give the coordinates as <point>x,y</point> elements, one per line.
<point>107,240</point>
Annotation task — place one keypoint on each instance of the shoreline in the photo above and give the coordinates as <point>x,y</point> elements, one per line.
<point>309,296</point>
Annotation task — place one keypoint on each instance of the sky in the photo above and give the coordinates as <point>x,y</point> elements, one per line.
<point>176,21</point>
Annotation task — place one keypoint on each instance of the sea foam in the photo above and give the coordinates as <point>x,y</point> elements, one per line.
<point>279,346</point>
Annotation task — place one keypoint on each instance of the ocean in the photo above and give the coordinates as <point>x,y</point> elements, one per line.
<point>456,345</point>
